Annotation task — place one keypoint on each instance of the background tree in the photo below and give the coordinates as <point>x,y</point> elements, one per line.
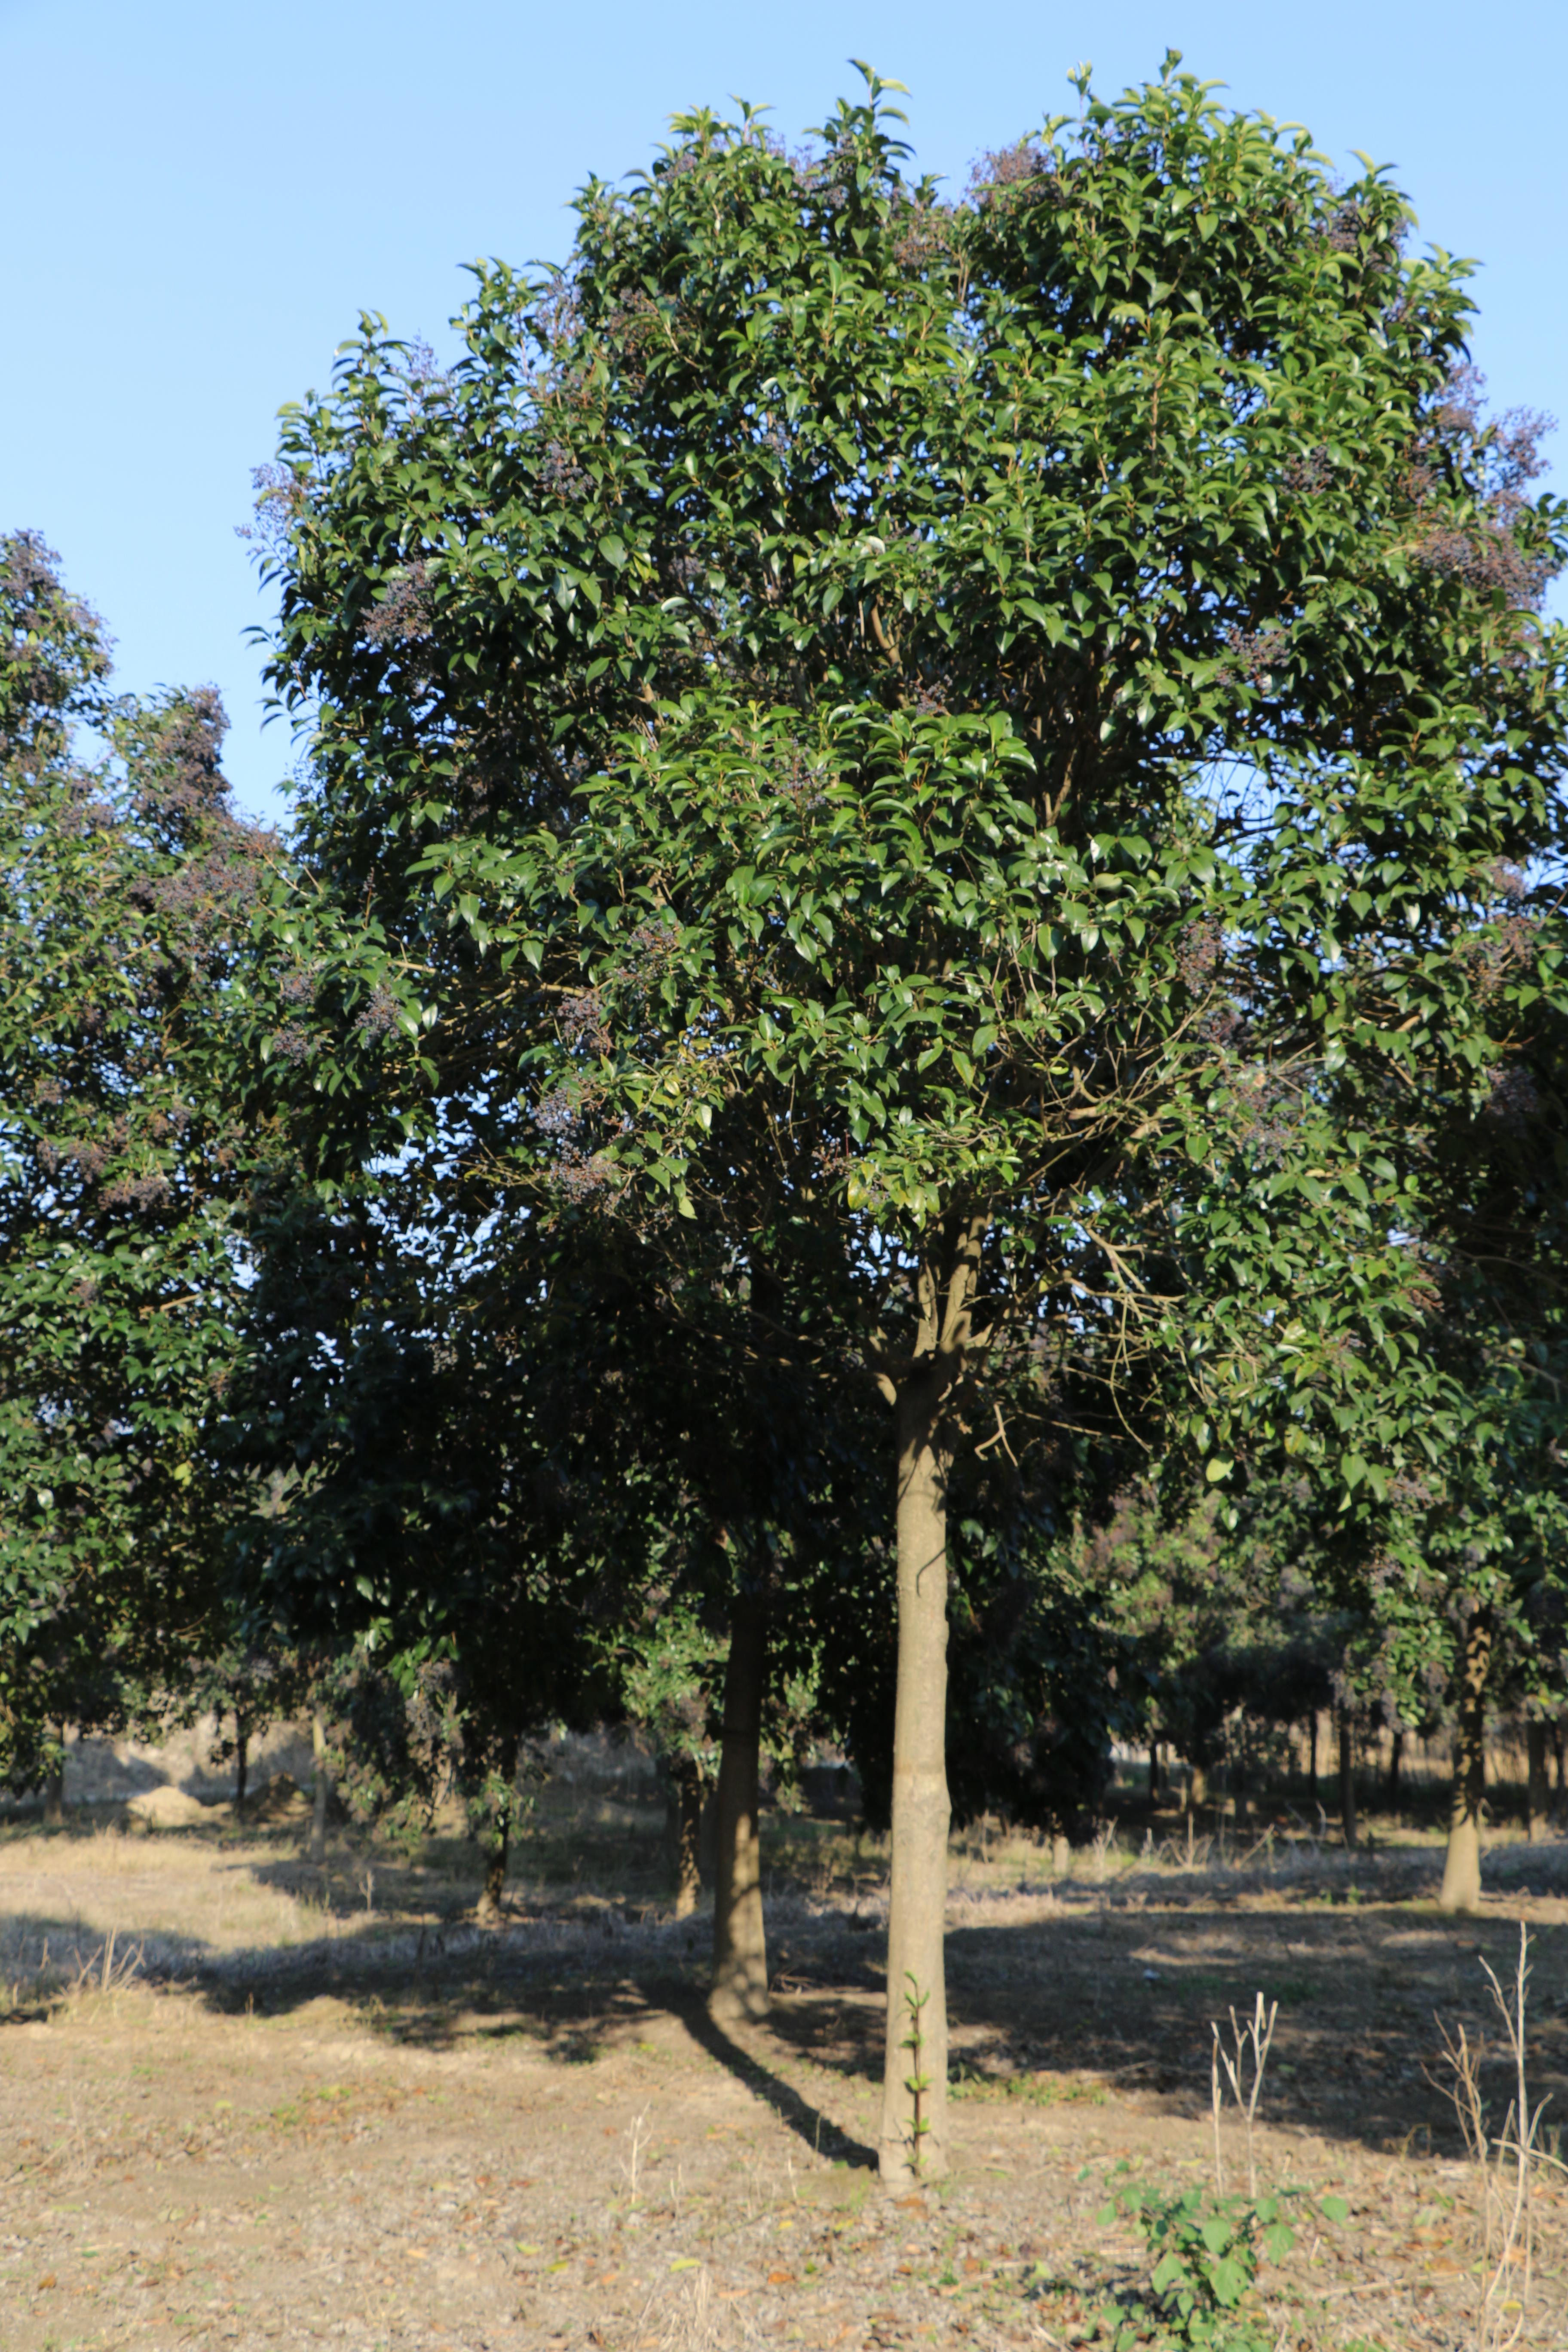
<point>1233,1641</point>
<point>411,1546</point>
<point>671,1672</point>
<point>1453,1569</point>
<point>513,1467</point>
<point>126,888</point>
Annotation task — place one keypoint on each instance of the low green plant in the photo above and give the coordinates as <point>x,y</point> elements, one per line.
<point>919,2082</point>
<point>1205,2252</point>
<point>968,2081</point>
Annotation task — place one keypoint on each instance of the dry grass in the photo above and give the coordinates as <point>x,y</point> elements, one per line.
<point>325,2107</point>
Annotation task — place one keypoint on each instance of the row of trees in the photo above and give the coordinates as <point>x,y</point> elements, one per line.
<point>926,890</point>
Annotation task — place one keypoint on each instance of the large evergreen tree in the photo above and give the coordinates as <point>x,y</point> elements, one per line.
<point>941,762</point>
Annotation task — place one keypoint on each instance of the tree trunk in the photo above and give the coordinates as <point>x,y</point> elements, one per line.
<point>1240,1779</point>
<point>1153,1771</point>
<point>500,1845</point>
<point>1395,1758</point>
<point>54,1786</point>
<point>1312,1760</point>
<point>914,2083</point>
<point>1535,1800</point>
<point>319,1787</point>
<point>1461,1888</point>
<point>241,1762</point>
<point>496,1856</point>
<point>739,1942</point>
<point>687,1793</point>
<point>1347,1777</point>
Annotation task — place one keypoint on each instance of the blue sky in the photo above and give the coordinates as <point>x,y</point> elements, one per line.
<point>204,194</point>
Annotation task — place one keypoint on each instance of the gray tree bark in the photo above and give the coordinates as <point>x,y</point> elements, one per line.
<point>912,2143</point>
<point>1461,1888</point>
<point>740,1988</point>
<point>912,2140</point>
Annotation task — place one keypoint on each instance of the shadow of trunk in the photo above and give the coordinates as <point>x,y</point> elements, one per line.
<point>819,2132</point>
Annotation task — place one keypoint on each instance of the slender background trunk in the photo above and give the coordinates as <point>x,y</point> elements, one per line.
<point>241,1762</point>
<point>739,1941</point>
<point>686,1827</point>
<point>55,1787</point>
<point>319,1787</point>
<point>1395,1756</point>
<point>914,2119</point>
<point>500,1845</point>
<point>1461,1888</point>
<point>1347,1777</point>
<point>1535,1797</point>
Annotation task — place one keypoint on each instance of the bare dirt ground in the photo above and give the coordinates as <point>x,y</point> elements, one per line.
<point>286,2106</point>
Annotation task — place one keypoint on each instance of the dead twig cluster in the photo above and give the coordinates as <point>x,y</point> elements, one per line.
<point>1248,2056</point>
<point>1507,2162</point>
<point>105,1970</point>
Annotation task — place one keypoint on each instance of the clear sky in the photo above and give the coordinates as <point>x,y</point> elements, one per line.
<point>204,194</point>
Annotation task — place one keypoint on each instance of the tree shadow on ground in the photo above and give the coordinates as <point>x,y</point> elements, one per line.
<point>1076,2005</point>
<point>433,1998</point>
<point>1080,1993</point>
<point>811,2125</point>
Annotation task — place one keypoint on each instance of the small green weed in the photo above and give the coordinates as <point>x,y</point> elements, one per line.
<point>967,2080</point>
<point>1205,2252</point>
<point>312,2106</point>
<point>579,2048</point>
<point>917,2084</point>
